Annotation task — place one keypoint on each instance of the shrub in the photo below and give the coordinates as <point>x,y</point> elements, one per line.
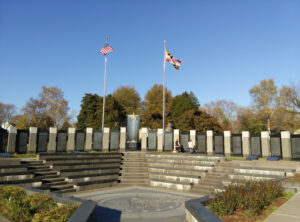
<point>251,197</point>
<point>55,214</point>
<point>16,205</point>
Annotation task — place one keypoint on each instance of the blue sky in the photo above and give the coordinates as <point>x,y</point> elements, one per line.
<point>225,46</point>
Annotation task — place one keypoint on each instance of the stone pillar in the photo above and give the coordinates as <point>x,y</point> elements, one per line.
<point>11,143</point>
<point>106,139</point>
<point>227,143</point>
<point>71,139</point>
<point>122,139</point>
<point>209,141</point>
<point>88,139</point>
<point>265,144</point>
<point>193,137</point>
<point>144,139</point>
<point>52,140</point>
<point>286,145</point>
<point>159,140</point>
<point>246,143</point>
<point>32,139</point>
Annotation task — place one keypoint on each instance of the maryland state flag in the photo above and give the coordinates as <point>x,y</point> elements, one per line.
<point>169,58</point>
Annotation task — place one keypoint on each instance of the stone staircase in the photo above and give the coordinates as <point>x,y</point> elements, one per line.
<point>180,171</point>
<point>134,170</point>
<point>51,180</point>
<point>213,180</point>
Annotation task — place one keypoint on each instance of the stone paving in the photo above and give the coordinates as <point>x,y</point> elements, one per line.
<point>141,204</point>
<point>288,212</point>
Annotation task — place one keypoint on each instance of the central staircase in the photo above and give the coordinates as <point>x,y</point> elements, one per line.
<point>134,170</point>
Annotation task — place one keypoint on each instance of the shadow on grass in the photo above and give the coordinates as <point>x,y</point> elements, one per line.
<point>108,214</point>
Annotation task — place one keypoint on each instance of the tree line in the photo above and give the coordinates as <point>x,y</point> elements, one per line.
<point>273,109</point>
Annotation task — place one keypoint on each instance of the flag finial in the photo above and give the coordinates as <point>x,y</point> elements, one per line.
<point>106,39</point>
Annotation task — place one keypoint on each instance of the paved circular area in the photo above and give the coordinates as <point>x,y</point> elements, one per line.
<point>140,204</point>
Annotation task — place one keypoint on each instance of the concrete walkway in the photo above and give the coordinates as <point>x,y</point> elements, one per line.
<point>289,212</point>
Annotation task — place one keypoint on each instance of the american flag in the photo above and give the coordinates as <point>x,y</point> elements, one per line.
<point>106,49</point>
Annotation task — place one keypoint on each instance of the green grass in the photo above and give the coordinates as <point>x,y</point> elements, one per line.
<point>231,158</point>
<point>25,155</point>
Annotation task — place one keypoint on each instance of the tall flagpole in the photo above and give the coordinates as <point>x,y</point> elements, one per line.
<point>164,78</point>
<point>103,109</point>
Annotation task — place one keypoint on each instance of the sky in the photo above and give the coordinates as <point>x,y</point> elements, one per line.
<point>226,47</point>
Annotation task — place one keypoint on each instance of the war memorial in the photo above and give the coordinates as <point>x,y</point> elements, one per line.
<point>134,174</point>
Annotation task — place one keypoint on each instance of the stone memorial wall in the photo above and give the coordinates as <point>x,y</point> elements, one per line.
<point>236,144</point>
<point>184,139</point>
<point>35,140</point>
<point>61,141</point>
<point>255,142</point>
<point>114,140</point>
<point>42,140</point>
<point>3,140</point>
<point>21,141</point>
<point>152,140</point>
<point>201,143</point>
<point>219,144</point>
<point>275,145</point>
<point>295,143</point>
<point>168,141</point>
<point>97,140</point>
<point>79,140</point>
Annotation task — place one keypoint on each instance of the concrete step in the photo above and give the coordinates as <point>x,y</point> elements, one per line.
<point>241,176</point>
<point>83,160</point>
<point>185,156</point>
<point>53,180</point>
<point>69,190</point>
<point>11,169</point>
<point>95,184</point>
<point>46,173</point>
<point>142,174</point>
<point>32,162</point>
<point>75,156</point>
<point>85,165</point>
<point>61,187</point>
<point>67,172</point>
<point>181,166</point>
<point>265,171</point>
<point>52,184</point>
<point>176,178</point>
<point>182,161</point>
<point>93,178</point>
<point>171,185</point>
<point>177,171</point>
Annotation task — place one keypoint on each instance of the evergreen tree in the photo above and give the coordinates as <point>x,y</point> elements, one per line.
<point>182,103</point>
<point>198,120</point>
<point>91,112</point>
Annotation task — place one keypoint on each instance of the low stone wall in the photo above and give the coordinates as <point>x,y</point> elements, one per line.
<point>196,212</point>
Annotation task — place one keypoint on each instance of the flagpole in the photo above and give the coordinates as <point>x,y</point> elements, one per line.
<point>164,78</point>
<point>103,108</point>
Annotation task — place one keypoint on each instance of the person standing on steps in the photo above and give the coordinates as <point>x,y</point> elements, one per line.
<point>190,145</point>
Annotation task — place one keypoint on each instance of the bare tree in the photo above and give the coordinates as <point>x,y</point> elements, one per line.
<point>6,112</point>
<point>223,110</point>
